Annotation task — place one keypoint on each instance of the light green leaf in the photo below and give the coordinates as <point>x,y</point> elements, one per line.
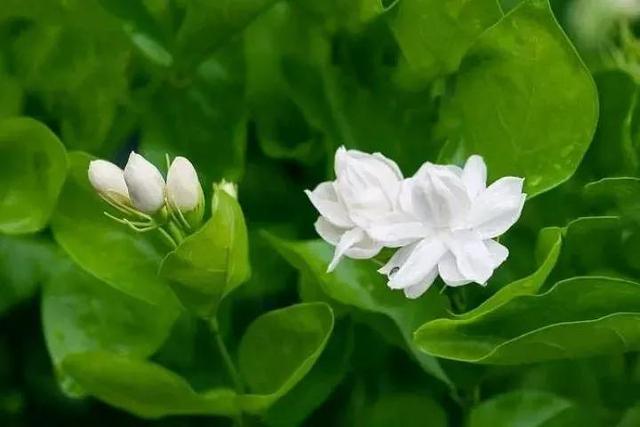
<point>548,246</point>
<point>213,261</point>
<point>521,408</point>
<point>279,348</point>
<point>126,260</point>
<point>358,284</point>
<point>434,35</point>
<point>578,317</point>
<point>33,166</point>
<point>524,100</point>
<point>144,388</point>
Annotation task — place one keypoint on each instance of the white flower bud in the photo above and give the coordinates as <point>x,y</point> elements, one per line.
<point>183,188</point>
<point>145,184</point>
<point>108,180</point>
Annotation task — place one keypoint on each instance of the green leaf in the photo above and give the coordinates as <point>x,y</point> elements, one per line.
<point>548,247</point>
<point>357,284</point>
<point>406,409</point>
<point>522,408</point>
<point>144,388</point>
<point>434,35</point>
<point>33,166</point>
<point>213,261</point>
<point>618,194</point>
<point>524,100</point>
<point>578,317</point>
<point>126,260</point>
<point>279,348</point>
<point>25,262</point>
<point>208,25</point>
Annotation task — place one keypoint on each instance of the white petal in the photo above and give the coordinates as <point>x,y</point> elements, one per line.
<point>473,259</point>
<point>499,253</point>
<point>418,264</point>
<point>441,198</point>
<point>108,180</point>
<point>145,184</point>
<point>449,272</point>
<point>364,249</point>
<point>325,200</point>
<point>497,208</point>
<point>474,175</point>
<point>183,187</point>
<point>415,291</point>
<point>329,232</point>
<point>356,244</point>
<point>397,231</point>
<point>398,259</point>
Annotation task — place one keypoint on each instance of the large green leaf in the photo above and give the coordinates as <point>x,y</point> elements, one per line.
<point>523,100</point>
<point>357,284</point>
<point>522,408</point>
<point>548,247</point>
<point>579,317</point>
<point>33,166</point>
<point>213,261</point>
<point>279,348</point>
<point>144,388</point>
<point>406,409</point>
<point>434,35</point>
<point>126,260</point>
<point>620,195</point>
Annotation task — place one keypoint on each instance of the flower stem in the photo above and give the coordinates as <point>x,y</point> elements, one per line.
<point>226,357</point>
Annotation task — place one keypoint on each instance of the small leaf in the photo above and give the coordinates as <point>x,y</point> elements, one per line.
<point>144,388</point>
<point>279,348</point>
<point>578,317</point>
<point>524,100</point>
<point>522,408</point>
<point>213,261</point>
<point>357,284</point>
<point>126,260</point>
<point>33,166</point>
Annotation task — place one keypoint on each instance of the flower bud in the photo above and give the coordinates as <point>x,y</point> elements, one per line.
<point>108,180</point>
<point>184,191</point>
<point>231,188</point>
<point>145,184</point>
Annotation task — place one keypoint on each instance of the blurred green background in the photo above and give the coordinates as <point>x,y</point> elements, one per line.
<point>262,93</point>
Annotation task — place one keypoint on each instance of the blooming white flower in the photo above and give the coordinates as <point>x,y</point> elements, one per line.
<point>183,187</point>
<point>455,218</point>
<point>145,184</point>
<point>363,195</point>
<point>108,180</point>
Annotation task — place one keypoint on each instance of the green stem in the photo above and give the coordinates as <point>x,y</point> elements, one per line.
<point>175,232</point>
<point>226,357</point>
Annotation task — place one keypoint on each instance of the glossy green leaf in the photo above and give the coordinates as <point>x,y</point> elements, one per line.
<point>578,317</point>
<point>280,347</point>
<point>522,408</point>
<point>25,263</point>
<point>620,195</point>
<point>549,245</point>
<point>213,261</point>
<point>406,409</point>
<point>144,388</point>
<point>524,100</point>
<point>33,166</point>
<point>434,35</point>
<point>82,314</point>
<point>126,260</point>
<point>358,284</point>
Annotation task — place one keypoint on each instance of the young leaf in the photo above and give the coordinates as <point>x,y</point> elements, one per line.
<point>279,348</point>
<point>213,261</point>
<point>528,408</point>
<point>578,317</point>
<point>126,260</point>
<point>434,35</point>
<point>524,100</point>
<point>144,388</point>
<point>33,166</point>
<point>357,284</point>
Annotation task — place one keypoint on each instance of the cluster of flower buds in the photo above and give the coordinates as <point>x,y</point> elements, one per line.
<point>140,193</point>
<point>443,220</point>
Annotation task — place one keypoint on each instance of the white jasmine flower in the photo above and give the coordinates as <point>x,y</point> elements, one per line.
<point>145,184</point>
<point>108,180</point>
<point>363,195</point>
<point>183,187</point>
<point>455,218</point>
